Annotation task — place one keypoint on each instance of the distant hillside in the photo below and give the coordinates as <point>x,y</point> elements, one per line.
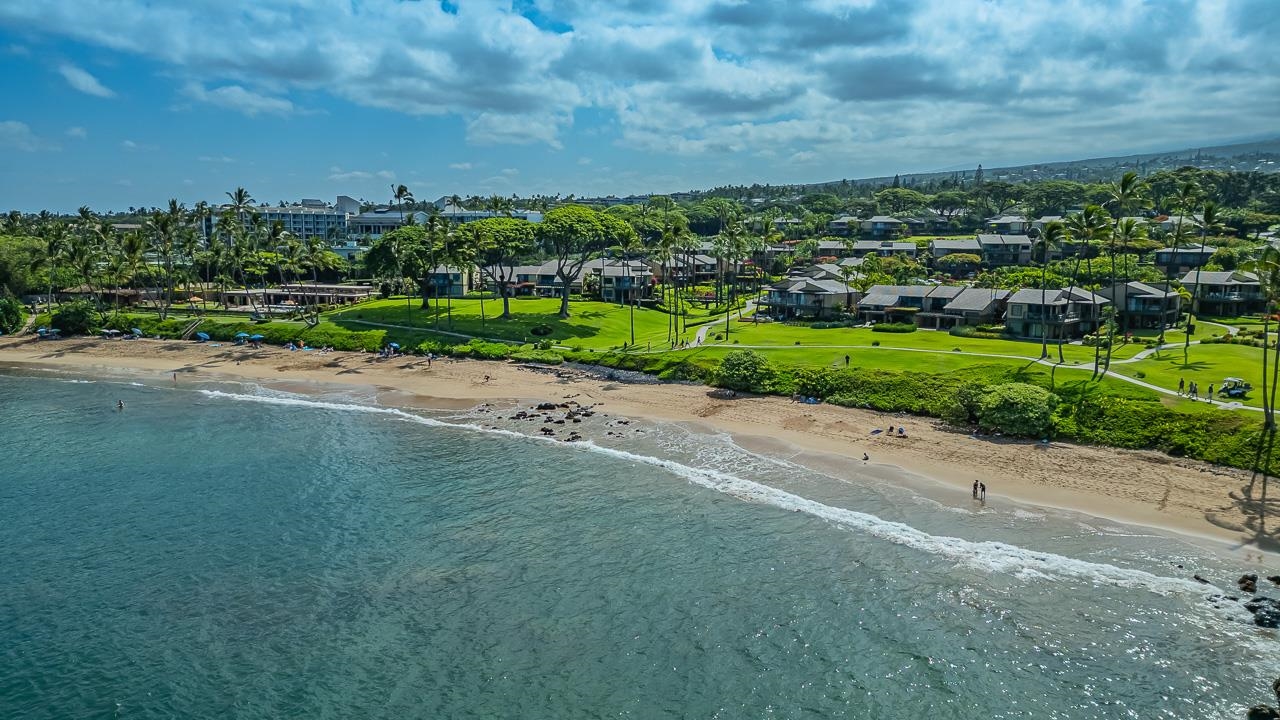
<point>1263,156</point>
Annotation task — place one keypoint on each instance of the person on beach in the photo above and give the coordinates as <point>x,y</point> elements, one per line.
<point>975,489</point>
<point>982,492</point>
<point>119,404</point>
<point>865,457</point>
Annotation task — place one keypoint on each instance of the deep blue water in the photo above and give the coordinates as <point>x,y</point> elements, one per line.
<point>238,552</point>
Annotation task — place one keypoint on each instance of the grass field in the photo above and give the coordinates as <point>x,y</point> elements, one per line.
<point>771,334</point>
<point>591,324</point>
<point>1206,364</point>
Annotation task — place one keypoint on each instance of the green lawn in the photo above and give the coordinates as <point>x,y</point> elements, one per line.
<point>882,358</point>
<point>771,334</point>
<point>1207,364</point>
<point>591,324</point>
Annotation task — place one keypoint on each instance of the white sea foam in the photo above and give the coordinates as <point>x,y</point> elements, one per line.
<point>988,556</point>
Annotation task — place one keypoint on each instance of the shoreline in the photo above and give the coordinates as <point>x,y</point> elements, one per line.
<point>1143,488</point>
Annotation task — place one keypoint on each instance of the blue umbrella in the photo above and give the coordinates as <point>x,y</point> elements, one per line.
<point>202,336</point>
<point>394,345</point>
<point>256,337</point>
<point>242,334</point>
<point>136,331</point>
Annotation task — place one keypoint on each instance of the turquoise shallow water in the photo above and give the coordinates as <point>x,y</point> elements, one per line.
<point>229,551</point>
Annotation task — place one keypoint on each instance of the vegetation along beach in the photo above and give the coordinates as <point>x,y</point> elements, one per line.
<point>373,360</point>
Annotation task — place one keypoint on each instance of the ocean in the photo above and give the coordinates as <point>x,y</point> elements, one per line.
<point>230,550</point>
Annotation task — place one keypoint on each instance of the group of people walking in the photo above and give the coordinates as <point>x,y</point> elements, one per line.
<point>979,491</point>
<point>1192,391</point>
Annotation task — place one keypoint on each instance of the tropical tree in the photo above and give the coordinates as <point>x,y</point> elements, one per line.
<point>1085,228</point>
<point>1051,237</point>
<point>730,247</point>
<point>1208,222</point>
<point>399,195</point>
<point>499,242</point>
<point>569,234</point>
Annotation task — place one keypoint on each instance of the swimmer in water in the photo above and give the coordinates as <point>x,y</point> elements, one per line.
<point>119,404</point>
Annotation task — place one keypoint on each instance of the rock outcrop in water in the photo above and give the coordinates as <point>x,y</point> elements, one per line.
<point>1248,583</point>
<point>1266,612</point>
<point>1266,712</point>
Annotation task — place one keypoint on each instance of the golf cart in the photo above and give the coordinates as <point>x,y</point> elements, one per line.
<point>1233,387</point>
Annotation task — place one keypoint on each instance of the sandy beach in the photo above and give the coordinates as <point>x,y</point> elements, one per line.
<point>1140,487</point>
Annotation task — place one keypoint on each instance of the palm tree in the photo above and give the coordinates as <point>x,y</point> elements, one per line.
<point>730,244</point>
<point>1184,200</point>
<point>399,194</point>
<point>1084,228</point>
<point>1051,237</point>
<point>1209,222</point>
<point>241,202</point>
<point>1127,231</point>
<point>474,243</point>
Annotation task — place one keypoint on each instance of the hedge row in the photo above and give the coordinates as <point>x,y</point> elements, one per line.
<point>889,327</point>
<point>322,335</point>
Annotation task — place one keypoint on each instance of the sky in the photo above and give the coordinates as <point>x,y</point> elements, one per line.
<point>118,103</point>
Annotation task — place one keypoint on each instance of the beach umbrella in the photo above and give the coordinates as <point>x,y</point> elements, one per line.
<point>135,331</point>
<point>242,334</point>
<point>257,337</point>
<point>394,345</point>
<point>202,336</point>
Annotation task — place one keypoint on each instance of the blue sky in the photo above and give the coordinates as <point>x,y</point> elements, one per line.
<point>113,103</point>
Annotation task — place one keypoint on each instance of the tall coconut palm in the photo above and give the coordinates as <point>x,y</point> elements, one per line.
<point>241,203</point>
<point>399,195</point>
<point>1209,222</point>
<point>1127,232</point>
<point>1051,237</point>
<point>1084,227</point>
<point>1267,269</point>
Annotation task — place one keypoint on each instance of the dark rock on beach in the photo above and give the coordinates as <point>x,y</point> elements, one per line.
<point>1200,579</point>
<point>1248,583</point>
<point>1275,579</point>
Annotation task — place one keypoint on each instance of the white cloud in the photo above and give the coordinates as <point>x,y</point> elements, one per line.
<point>19,50</point>
<point>129,145</point>
<point>223,159</point>
<point>510,172</point>
<point>336,174</point>
<point>584,161</point>
<point>77,132</point>
<point>237,98</point>
<point>819,86</point>
<point>386,174</point>
<point>81,80</point>
<point>18,136</point>
<point>124,183</point>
